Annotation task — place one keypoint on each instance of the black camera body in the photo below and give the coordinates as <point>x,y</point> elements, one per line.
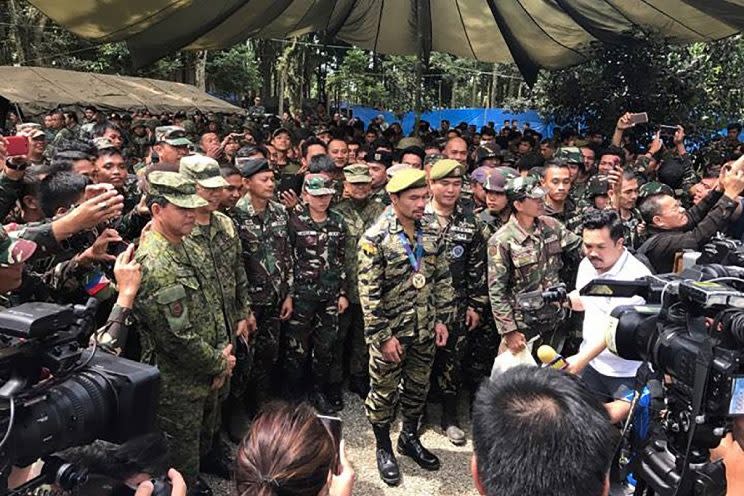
<point>691,330</point>
<point>56,393</point>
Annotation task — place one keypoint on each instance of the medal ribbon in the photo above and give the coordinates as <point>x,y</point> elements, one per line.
<point>415,259</point>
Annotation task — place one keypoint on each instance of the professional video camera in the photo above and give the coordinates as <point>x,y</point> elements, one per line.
<point>55,393</point>
<point>691,330</point>
<point>543,312</point>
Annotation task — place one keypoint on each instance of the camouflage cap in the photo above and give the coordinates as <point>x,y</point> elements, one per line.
<point>495,182</point>
<point>357,174</point>
<point>172,135</point>
<point>480,174</point>
<point>433,158</point>
<point>446,168</point>
<point>654,188</point>
<point>14,251</point>
<point>176,188</point>
<point>30,129</point>
<point>138,123</point>
<point>571,154</point>
<point>597,186</point>
<point>203,170</point>
<point>317,185</point>
<point>408,142</point>
<point>248,166</point>
<point>406,178</point>
<point>103,143</point>
<point>509,172</point>
<point>524,187</point>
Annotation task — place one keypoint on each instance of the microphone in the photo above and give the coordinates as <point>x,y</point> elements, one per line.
<point>550,358</point>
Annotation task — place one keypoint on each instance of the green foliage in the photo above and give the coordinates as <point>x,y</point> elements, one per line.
<point>233,71</point>
<point>698,86</point>
<point>356,82</point>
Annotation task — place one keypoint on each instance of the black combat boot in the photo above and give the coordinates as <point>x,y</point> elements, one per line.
<point>320,402</point>
<point>449,420</point>
<point>387,465</point>
<point>335,396</point>
<point>200,488</point>
<point>410,445</point>
<point>219,460</point>
<point>359,384</point>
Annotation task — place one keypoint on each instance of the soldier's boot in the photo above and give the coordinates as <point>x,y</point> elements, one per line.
<point>387,465</point>
<point>359,384</point>
<point>450,425</point>
<point>335,396</point>
<point>218,461</point>
<point>320,402</point>
<point>410,445</point>
<point>200,488</point>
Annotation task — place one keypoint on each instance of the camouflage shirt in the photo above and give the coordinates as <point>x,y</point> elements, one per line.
<point>318,255</point>
<point>465,250</point>
<point>392,306</point>
<point>633,229</point>
<point>267,255</point>
<point>490,222</point>
<point>178,328</point>
<point>520,261</point>
<point>216,252</point>
<point>358,215</point>
<point>571,216</point>
<point>381,196</point>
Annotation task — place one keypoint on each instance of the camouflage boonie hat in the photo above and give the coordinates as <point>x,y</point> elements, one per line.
<point>597,186</point>
<point>357,174</point>
<point>571,154</point>
<point>524,187</point>
<point>203,170</point>
<point>406,179</point>
<point>317,185</point>
<point>446,168</point>
<point>172,135</point>
<point>176,188</point>
<point>14,251</point>
<point>654,188</point>
<point>103,143</point>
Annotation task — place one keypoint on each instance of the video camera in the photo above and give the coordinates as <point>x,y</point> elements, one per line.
<point>543,312</point>
<point>691,330</point>
<point>55,393</point>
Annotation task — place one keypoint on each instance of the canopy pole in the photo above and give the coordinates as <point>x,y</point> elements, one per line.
<point>423,38</point>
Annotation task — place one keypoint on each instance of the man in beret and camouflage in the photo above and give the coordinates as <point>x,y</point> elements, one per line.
<point>526,254</point>
<point>215,249</point>
<point>179,332</point>
<point>406,293</point>
<point>359,212</point>
<point>263,228</point>
<point>379,161</point>
<point>465,250</point>
<point>317,237</point>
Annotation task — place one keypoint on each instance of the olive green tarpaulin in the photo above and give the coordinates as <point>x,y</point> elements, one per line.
<point>36,90</point>
<point>533,33</point>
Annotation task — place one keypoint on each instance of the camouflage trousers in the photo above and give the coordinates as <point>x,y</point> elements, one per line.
<point>189,418</point>
<point>448,361</point>
<point>405,383</point>
<point>256,383</point>
<point>310,335</point>
<point>481,348</point>
<point>350,343</point>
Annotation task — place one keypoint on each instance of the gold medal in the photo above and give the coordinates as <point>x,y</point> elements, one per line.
<point>419,281</point>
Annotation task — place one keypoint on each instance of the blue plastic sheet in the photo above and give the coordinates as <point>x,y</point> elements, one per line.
<point>477,116</point>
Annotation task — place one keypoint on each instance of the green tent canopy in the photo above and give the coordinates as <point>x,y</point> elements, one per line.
<point>36,90</point>
<point>533,33</point>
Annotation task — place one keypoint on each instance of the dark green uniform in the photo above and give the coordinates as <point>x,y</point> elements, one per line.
<point>358,216</point>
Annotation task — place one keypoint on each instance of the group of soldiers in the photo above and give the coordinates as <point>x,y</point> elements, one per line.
<point>284,271</point>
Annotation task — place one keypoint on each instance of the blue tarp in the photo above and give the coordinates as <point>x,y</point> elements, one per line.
<point>477,116</point>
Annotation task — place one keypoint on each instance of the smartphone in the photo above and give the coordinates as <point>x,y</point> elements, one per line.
<point>334,426</point>
<point>17,145</point>
<point>116,248</point>
<point>639,118</point>
<point>667,130</point>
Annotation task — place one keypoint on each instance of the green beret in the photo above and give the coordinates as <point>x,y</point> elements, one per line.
<point>407,178</point>
<point>446,168</point>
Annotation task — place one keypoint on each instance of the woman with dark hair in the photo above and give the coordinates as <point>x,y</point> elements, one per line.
<point>290,452</point>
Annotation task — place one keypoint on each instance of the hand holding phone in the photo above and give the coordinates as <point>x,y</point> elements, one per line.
<point>16,146</point>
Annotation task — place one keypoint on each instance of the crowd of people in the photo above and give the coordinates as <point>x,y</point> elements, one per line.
<point>282,258</point>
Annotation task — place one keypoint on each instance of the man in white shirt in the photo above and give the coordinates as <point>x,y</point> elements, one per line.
<point>606,257</point>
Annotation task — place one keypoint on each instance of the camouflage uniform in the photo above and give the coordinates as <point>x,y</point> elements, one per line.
<point>319,281</point>
<point>181,333</point>
<point>570,216</point>
<point>358,216</point>
<point>380,196</point>
<point>520,261</point>
<point>393,307</point>
<point>267,259</point>
<point>633,231</point>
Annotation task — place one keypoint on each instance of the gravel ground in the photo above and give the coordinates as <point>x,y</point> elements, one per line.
<point>452,479</point>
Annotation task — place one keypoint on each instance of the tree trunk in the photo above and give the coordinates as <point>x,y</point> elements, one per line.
<point>454,92</point>
<point>200,70</point>
<point>20,47</point>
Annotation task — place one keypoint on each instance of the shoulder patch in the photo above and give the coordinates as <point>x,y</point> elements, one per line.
<point>367,247</point>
